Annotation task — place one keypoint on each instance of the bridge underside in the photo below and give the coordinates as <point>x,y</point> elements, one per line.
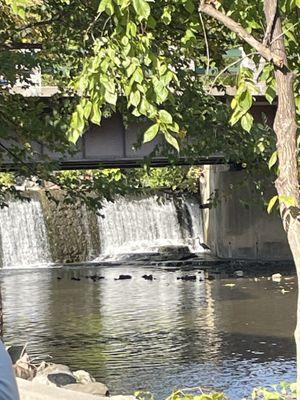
<point>112,145</point>
<point>122,163</point>
<point>107,146</point>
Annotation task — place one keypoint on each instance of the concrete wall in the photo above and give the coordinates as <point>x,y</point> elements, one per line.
<point>72,230</point>
<point>232,228</point>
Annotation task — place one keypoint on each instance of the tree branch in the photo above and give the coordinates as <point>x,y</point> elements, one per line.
<point>270,25</point>
<point>21,46</point>
<point>235,27</point>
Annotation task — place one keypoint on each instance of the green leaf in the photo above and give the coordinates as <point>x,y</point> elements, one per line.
<point>189,6</point>
<point>289,201</point>
<point>270,94</point>
<point>189,35</point>
<point>165,117</point>
<point>247,122</point>
<point>96,114</point>
<point>166,16</point>
<point>111,98</point>
<point>245,100</point>
<point>170,139</point>
<point>142,8</point>
<point>130,70</point>
<point>237,115</point>
<point>174,127</point>
<point>150,133</point>
<point>135,98</point>
<point>74,135</point>
<point>272,203</point>
<point>87,109</point>
<point>107,6</point>
<point>273,160</point>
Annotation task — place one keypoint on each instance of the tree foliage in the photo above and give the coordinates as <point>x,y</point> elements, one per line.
<point>142,59</point>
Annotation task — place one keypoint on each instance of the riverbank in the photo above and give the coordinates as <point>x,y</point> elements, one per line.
<point>36,391</point>
<point>179,329</point>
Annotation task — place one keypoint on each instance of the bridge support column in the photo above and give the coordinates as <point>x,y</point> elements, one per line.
<point>237,225</point>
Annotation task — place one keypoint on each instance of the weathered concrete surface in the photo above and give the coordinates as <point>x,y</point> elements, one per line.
<point>35,391</point>
<point>72,230</point>
<point>239,226</point>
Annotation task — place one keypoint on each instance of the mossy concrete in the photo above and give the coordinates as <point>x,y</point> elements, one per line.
<point>72,229</point>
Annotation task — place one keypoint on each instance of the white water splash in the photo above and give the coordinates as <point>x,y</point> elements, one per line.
<point>145,224</point>
<point>23,235</point>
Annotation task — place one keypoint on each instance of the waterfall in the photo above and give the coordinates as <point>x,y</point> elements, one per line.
<point>143,224</point>
<point>196,226</point>
<point>23,235</point>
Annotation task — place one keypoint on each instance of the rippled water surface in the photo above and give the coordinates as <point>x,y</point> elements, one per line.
<point>157,334</point>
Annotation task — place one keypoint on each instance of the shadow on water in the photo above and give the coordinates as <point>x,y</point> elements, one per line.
<point>227,334</point>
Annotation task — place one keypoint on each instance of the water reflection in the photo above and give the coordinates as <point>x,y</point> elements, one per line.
<point>156,334</point>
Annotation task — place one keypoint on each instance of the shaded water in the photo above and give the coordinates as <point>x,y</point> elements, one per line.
<point>156,335</point>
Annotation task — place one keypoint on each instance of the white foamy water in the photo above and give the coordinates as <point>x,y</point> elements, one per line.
<point>23,235</point>
<point>144,224</point>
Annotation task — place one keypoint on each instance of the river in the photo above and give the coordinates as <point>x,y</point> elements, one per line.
<point>226,334</point>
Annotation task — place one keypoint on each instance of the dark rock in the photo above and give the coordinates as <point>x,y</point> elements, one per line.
<point>16,352</point>
<point>95,278</point>
<point>187,277</point>
<point>58,278</point>
<point>59,374</point>
<point>148,277</point>
<point>210,278</point>
<point>61,379</point>
<point>204,246</point>
<point>174,252</point>
<point>122,277</point>
<point>75,279</point>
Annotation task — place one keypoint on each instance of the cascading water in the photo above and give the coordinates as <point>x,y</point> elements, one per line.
<point>23,235</point>
<point>195,222</point>
<point>144,224</point>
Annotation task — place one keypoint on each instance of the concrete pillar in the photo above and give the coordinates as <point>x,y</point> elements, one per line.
<point>237,225</point>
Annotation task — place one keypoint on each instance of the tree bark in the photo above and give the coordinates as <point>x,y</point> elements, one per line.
<point>287,183</point>
<point>237,28</point>
<point>285,127</point>
<point>1,316</point>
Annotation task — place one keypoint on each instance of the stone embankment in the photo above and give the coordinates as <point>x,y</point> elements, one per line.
<point>49,381</point>
<point>36,391</point>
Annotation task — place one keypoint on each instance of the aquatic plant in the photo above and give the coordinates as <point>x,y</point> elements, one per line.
<point>196,393</point>
<point>283,391</point>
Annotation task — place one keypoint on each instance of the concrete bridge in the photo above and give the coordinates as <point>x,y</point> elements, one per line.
<point>112,145</point>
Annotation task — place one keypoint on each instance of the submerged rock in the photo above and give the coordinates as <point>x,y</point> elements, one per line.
<point>95,278</point>
<point>175,252</point>
<point>121,277</point>
<point>91,388</point>
<point>276,277</point>
<point>239,273</point>
<point>187,277</point>
<point>148,277</point>
<point>61,379</point>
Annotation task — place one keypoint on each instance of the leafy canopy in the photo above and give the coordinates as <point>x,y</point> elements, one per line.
<point>141,59</point>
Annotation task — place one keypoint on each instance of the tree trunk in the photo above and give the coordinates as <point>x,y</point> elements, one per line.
<point>287,183</point>
<point>1,316</point>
